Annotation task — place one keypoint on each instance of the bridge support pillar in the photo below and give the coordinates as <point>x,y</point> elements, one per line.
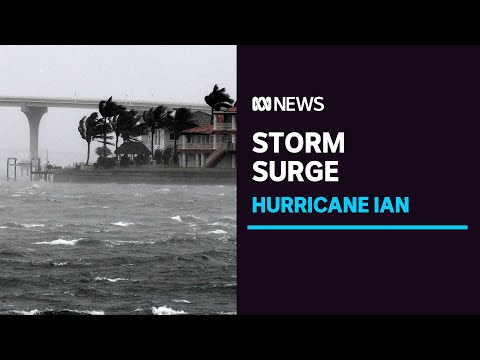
<point>34,115</point>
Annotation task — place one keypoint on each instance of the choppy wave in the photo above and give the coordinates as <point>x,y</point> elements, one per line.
<point>177,218</point>
<point>59,242</point>
<point>130,242</point>
<point>121,223</point>
<point>195,217</point>
<point>163,310</point>
<point>89,312</point>
<point>57,312</point>
<point>98,278</point>
<point>218,231</point>
<point>181,301</point>
<point>27,312</point>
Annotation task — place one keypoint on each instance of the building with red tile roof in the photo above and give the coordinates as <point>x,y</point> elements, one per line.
<point>211,145</point>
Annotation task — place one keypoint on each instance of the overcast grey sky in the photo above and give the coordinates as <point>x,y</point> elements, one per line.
<point>160,73</point>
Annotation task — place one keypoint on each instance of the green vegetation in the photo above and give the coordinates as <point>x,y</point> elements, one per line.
<point>181,121</point>
<point>217,99</point>
<point>118,122</point>
<point>163,156</point>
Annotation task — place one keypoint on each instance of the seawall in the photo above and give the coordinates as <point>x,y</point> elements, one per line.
<point>199,176</point>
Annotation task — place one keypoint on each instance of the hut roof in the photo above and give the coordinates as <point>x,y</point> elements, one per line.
<point>132,148</point>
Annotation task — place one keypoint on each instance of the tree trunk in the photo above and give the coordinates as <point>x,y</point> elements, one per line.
<point>152,141</point>
<point>175,149</point>
<point>211,120</point>
<point>88,154</point>
<point>105,138</point>
<point>116,147</point>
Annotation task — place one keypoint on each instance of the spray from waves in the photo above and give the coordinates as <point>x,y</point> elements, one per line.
<point>98,278</point>
<point>122,224</point>
<point>177,218</point>
<point>59,242</point>
<point>163,310</point>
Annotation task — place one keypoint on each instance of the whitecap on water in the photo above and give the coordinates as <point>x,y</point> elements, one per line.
<point>218,231</point>
<point>28,226</point>
<point>89,312</point>
<point>163,310</point>
<point>181,301</point>
<point>120,223</point>
<point>58,242</point>
<point>98,278</point>
<point>176,218</point>
<point>164,189</point>
<point>27,312</point>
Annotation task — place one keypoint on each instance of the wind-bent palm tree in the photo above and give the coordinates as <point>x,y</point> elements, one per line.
<point>126,125</point>
<point>155,119</point>
<point>217,99</point>
<point>90,128</point>
<point>130,128</point>
<point>180,121</point>
<point>110,111</point>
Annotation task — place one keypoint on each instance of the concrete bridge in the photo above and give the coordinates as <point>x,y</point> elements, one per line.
<point>35,107</point>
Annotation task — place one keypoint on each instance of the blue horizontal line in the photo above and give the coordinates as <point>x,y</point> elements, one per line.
<point>357,227</point>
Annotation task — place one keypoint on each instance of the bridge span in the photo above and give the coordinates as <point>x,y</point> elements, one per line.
<point>35,107</point>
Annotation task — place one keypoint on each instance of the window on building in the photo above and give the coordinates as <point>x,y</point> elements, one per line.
<point>172,137</point>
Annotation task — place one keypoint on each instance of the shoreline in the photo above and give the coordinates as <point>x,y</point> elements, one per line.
<point>181,176</point>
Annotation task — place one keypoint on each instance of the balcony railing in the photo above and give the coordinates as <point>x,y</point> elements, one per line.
<point>209,146</point>
<point>224,126</point>
<point>200,146</point>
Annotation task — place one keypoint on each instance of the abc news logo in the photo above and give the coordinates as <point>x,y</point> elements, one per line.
<point>287,103</point>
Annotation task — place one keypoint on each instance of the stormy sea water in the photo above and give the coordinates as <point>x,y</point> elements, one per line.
<point>117,248</point>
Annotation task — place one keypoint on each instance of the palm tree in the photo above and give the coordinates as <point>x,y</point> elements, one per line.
<point>110,110</point>
<point>126,125</point>
<point>129,127</point>
<point>180,121</point>
<point>155,119</point>
<point>217,99</point>
<point>90,128</point>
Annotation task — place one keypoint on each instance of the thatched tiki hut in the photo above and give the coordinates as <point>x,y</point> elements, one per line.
<point>130,149</point>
